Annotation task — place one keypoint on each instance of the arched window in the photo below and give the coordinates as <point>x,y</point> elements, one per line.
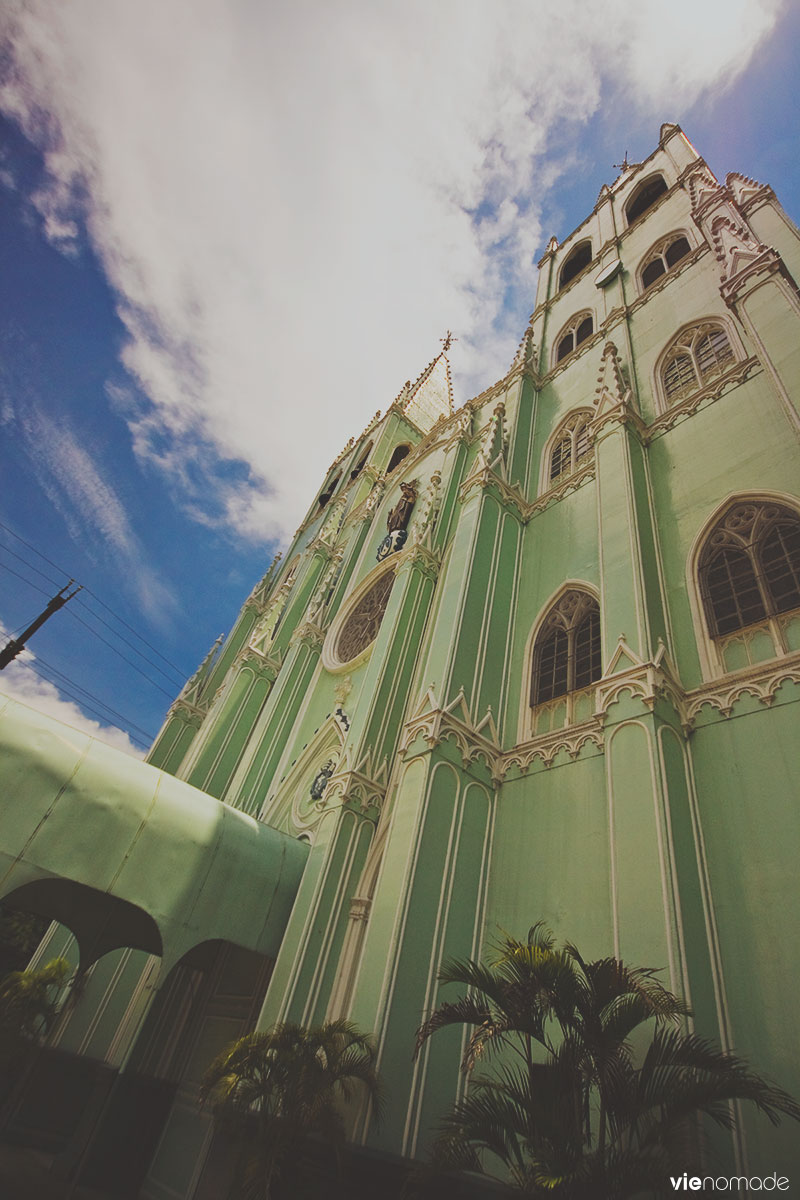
<point>571,447</point>
<point>697,355</point>
<point>750,568</point>
<point>576,260</point>
<point>398,454</point>
<point>566,654</point>
<point>578,330</point>
<point>644,197</point>
<point>662,258</point>
<point>362,461</point>
<point>330,488</point>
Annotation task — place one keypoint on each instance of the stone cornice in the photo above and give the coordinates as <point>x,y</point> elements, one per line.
<point>421,558</point>
<point>723,383</point>
<point>190,714</point>
<point>562,489</point>
<point>435,723</point>
<point>509,495</point>
<point>647,681</point>
<point>761,682</point>
<point>546,746</point>
<point>358,785</point>
<point>767,263</point>
<point>264,666</point>
<point>308,633</point>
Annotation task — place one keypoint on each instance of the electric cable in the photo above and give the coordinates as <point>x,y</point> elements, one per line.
<point>35,586</point>
<point>88,591</point>
<point>81,703</point>
<point>78,687</point>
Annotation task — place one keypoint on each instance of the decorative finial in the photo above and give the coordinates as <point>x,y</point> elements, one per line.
<point>624,165</point>
<point>447,341</point>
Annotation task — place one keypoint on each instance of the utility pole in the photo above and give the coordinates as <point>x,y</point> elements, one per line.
<point>13,648</point>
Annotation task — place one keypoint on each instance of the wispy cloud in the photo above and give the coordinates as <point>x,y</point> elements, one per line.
<point>20,681</point>
<point>76,482</point>
<point>293,202</point>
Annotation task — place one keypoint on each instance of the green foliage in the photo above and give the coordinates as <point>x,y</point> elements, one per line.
<point>28,1007</point>
<point>279,1089</point>
<point>595,1087</point>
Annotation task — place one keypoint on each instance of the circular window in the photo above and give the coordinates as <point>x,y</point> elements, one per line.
<point>360,627</point>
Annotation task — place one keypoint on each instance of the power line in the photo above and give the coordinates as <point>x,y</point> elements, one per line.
<point>29,565</point>
<point>82,703</point>
<point>120,716</point>
<point>124,657</point>
<point>94,633</point>
<point>35,586</point>
<point>178,670</point>
<point>97,617</point>
<point>122,621</point>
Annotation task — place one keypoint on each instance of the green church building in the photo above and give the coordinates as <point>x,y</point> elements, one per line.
<point>532,658</point>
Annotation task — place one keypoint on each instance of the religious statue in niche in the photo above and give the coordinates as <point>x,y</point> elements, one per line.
<point>321,780</point>
<point>397,522</point>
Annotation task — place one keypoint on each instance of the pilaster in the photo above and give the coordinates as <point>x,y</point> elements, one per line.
<point>632,601</point>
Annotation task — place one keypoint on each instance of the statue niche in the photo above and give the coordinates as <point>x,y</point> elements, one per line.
<point>397,521</point>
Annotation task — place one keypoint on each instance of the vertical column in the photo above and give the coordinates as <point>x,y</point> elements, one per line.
<point>217,749</point>
<point>632,601</point>
<point>427,907</point>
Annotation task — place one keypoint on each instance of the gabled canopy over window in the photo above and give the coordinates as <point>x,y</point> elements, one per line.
<point>697,355</point>
<point>644,197</point>
<point>575,262</point>
<point>398,454</point>
<point>750,567</point>
<point>572,446</point>
<point>566,656</point>
<point>662,258</point>
<point>579,329</point>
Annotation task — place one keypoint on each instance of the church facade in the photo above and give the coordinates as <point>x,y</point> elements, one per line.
<point>534,658</point>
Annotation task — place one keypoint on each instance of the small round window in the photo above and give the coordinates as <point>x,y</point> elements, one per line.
<point>360,627</point>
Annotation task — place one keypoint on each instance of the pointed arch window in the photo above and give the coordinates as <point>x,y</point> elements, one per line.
<point>750,567</point>
<point>572,447</point>
<point>578,330</point>
<point>398,454</point>
<point>696,356</point>
<point>566,654</point>
<point>362,461</point>
<point>328,491</point>
<point>662,258</point>
<point>576,261</point>
<point>645,197</point>
<point>749,576</point>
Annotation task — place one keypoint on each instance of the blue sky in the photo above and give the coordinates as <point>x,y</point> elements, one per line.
<point>232,231</point>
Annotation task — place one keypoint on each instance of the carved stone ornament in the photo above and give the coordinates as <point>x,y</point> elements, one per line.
<point>361,627</point>
<point>391,544</point>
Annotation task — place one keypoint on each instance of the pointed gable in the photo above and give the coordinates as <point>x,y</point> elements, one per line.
<point>430,398</point>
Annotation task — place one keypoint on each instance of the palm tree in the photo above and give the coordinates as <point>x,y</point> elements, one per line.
<point>281,1088</point>
<point>579,1103</point>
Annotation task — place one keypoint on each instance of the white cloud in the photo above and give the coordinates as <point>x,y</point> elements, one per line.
<point>89,504</point>
<point>20,681</point>
<point>281,196</point>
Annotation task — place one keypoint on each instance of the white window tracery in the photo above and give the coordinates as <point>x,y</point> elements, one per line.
<point>697,355</point>
<point>577,330</point>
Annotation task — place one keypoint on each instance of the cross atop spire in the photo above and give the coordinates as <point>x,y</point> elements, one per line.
<point>624,165</point>
<point>447,341</point>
